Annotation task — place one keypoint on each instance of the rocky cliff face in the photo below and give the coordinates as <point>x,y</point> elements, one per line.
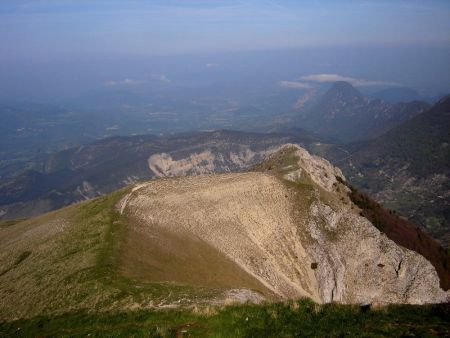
<point>290,224</point>
<point>358,264</point>
<point>207,161</point>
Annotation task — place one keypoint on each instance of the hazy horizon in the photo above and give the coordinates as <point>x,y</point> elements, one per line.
<point>54,50</point>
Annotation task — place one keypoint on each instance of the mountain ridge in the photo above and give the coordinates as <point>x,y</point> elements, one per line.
<point>92,255</point>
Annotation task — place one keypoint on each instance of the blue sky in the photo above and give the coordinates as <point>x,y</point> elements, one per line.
<point>49,28</point>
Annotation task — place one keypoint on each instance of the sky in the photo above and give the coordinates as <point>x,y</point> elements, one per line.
<point>49,28</point>
<point>64,42</point>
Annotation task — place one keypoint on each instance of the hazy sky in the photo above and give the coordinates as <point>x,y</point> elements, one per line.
<point>47,28</point>
<point>57,48</point>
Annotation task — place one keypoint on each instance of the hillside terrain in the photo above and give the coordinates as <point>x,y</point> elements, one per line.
<point>76,174</point>
<point>343,114</point>
<point>407,169</point>
<point>286,229</point>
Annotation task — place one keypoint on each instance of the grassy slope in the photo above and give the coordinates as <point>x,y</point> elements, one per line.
<point>295,318</point>
<point>182,258</point>
<point>70,260</point>
<point>65,262</point>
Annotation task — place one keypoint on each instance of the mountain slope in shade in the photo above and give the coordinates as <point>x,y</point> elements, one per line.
<point>408,169</point>
<point>345,115</point>
<point>285,229</point>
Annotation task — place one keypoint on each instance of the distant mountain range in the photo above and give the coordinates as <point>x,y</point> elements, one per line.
<point>344,115</point>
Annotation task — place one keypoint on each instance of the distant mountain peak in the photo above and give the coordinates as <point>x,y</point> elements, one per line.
<point>343,114</point>
<point>344,90</point>
<point>342,85</point>
<point>340,100</point>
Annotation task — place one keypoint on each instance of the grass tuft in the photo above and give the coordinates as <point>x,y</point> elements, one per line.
<point>24,255</point>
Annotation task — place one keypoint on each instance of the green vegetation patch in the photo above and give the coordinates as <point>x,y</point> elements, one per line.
<point>301,318</point>
<point>279,163</point>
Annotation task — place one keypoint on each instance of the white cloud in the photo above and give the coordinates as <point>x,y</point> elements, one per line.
<point>131,82</point>
<point>295,84</point>
<point>212,65</point>
<point>324,78</point>
<point>110,83</point>
<point>160,78</point>
<point>134,82</point>
<point>165,79</point>
<point>125,82</point>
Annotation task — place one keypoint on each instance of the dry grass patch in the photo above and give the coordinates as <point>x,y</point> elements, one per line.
<point>180,258</point>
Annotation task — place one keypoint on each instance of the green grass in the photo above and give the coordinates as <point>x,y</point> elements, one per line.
<point>301,318</point>
<point>8,223</point>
